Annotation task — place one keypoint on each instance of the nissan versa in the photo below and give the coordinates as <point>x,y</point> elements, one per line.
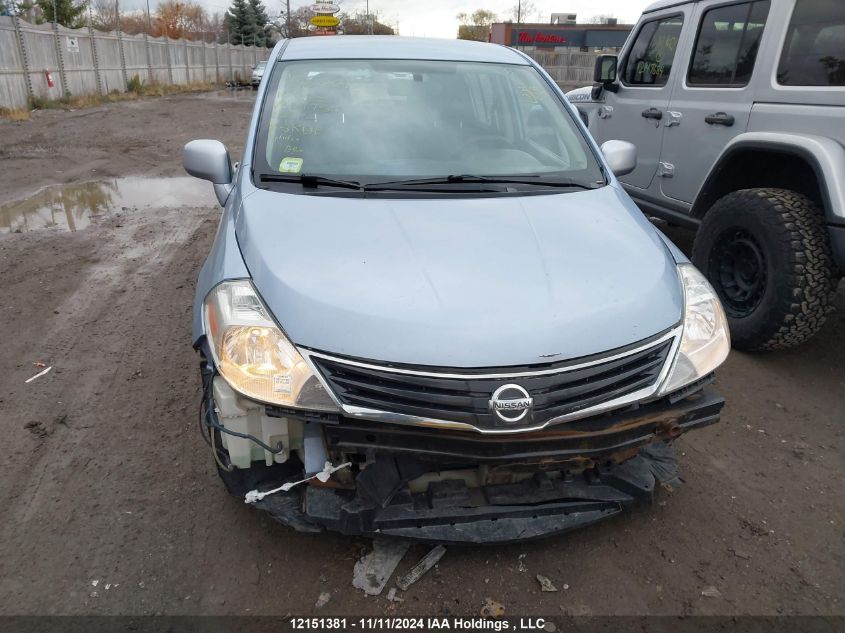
<point>430,309</point>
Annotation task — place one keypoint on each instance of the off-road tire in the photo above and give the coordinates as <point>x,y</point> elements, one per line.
<point>800,275</point>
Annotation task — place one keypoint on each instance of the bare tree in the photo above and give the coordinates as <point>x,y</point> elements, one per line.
<point>356,24</point>
<point>178,19</point>
<point>104,15</point>
<point>475,26</point>
<point>134,22</point>
<point>523,11</point>
<point>213,27</point>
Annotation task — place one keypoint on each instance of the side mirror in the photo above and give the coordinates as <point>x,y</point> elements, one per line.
<point>621,156</point>
<point>209,160</point>
<point>604,73</point>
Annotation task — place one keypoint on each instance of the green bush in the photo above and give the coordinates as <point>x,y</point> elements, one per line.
<point>37,103</point>
<point>135,85</point>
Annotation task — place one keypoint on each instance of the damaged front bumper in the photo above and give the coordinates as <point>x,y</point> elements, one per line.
<point>461,487</point>
<point>545,503</point>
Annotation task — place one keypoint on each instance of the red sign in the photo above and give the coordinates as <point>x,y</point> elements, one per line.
<point>538,37</point>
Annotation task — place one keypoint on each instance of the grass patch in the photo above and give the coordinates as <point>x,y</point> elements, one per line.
<point>137,89</point>
<point>15,114</point>
<point>161,90</point>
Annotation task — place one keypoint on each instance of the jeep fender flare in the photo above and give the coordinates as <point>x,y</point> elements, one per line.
<point>825,156</point>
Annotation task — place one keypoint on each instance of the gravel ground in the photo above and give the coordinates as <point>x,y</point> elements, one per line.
<point>111,504</point>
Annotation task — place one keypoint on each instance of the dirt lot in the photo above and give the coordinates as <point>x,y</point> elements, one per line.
<point>111,505</point>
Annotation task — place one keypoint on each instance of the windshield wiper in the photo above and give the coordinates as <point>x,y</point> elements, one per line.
<point>527,179</point>
<point>312,181</point>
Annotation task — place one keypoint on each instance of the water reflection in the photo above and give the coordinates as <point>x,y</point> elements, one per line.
<point>74,206</point>
<point>229,94</point>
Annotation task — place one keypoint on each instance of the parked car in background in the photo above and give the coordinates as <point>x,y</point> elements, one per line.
<point>431,311</point>
<point>257,74</point>
<point>738,114</point>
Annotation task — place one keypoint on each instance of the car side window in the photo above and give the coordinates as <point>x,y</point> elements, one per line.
<point>650,60</point>
<point>727,43</point>
<point>814,50</point>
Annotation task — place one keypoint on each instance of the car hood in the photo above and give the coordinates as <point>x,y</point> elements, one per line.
<point>460,282</point>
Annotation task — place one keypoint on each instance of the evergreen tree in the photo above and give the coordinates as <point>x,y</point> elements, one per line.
<point>70,13</point>
<point>261,20</point>
<point>240,23</point>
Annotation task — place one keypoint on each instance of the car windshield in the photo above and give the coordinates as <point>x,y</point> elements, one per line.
<point>372,121</point>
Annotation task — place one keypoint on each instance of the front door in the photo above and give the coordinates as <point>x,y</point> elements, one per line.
<point>635,113</point>
<point>712,99</point>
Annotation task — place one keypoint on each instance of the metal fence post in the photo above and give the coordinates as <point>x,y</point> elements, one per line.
<point>216,62</point>
<point>167,56</point>
<point>122,57</point>
<point>149,57</point>
<point>24,59</point>
<point>231,69</point>
<point>60,59</point>
<point>187,62</point>
<point>204,63</point>
<point>97,78</point>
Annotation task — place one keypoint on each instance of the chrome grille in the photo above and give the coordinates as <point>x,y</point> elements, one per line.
<point>463,395</point>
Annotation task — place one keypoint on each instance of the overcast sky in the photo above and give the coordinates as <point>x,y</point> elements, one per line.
<point>436,18</point>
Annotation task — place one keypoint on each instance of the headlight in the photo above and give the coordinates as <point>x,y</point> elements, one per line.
<point>254,355</point>
<point>705,341</point>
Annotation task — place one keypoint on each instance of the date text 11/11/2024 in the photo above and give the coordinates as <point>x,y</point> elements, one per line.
<point>419,624</point>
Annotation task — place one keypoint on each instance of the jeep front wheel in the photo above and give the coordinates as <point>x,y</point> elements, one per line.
<point>767,254</point>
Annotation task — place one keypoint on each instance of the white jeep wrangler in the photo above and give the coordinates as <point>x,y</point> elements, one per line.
<point>737,109</point>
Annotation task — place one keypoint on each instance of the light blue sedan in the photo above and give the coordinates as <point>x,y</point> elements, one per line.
<point>431,311</point>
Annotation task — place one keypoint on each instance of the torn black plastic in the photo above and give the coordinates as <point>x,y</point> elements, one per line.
<point>583,472</point>
<point>540,506</point>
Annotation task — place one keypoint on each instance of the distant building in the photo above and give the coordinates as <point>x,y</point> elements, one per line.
<point>562,34</point>
<point>564,18</point>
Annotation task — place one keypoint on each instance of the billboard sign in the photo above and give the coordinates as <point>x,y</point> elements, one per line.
<point>324,7</point>
<point>324,21</point>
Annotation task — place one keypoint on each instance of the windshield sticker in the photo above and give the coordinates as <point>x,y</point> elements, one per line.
<point>290,165</point>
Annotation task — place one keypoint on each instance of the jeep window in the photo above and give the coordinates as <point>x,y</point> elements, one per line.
<point>814,50</point>
<point>727,43</point>
<point>378,121</point>
<point>650,60</point>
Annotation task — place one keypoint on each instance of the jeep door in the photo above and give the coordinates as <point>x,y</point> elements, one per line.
<point>714,91</point>
<point>635,112</point>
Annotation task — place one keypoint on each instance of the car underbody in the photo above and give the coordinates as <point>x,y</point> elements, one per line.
<point>456,486</point>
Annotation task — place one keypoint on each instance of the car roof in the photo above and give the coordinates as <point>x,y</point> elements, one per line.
<point>395,47</point>
<point>665,4</point>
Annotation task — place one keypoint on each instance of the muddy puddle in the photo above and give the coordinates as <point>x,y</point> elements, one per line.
<point>74,206</point>
<point>227,94</point>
